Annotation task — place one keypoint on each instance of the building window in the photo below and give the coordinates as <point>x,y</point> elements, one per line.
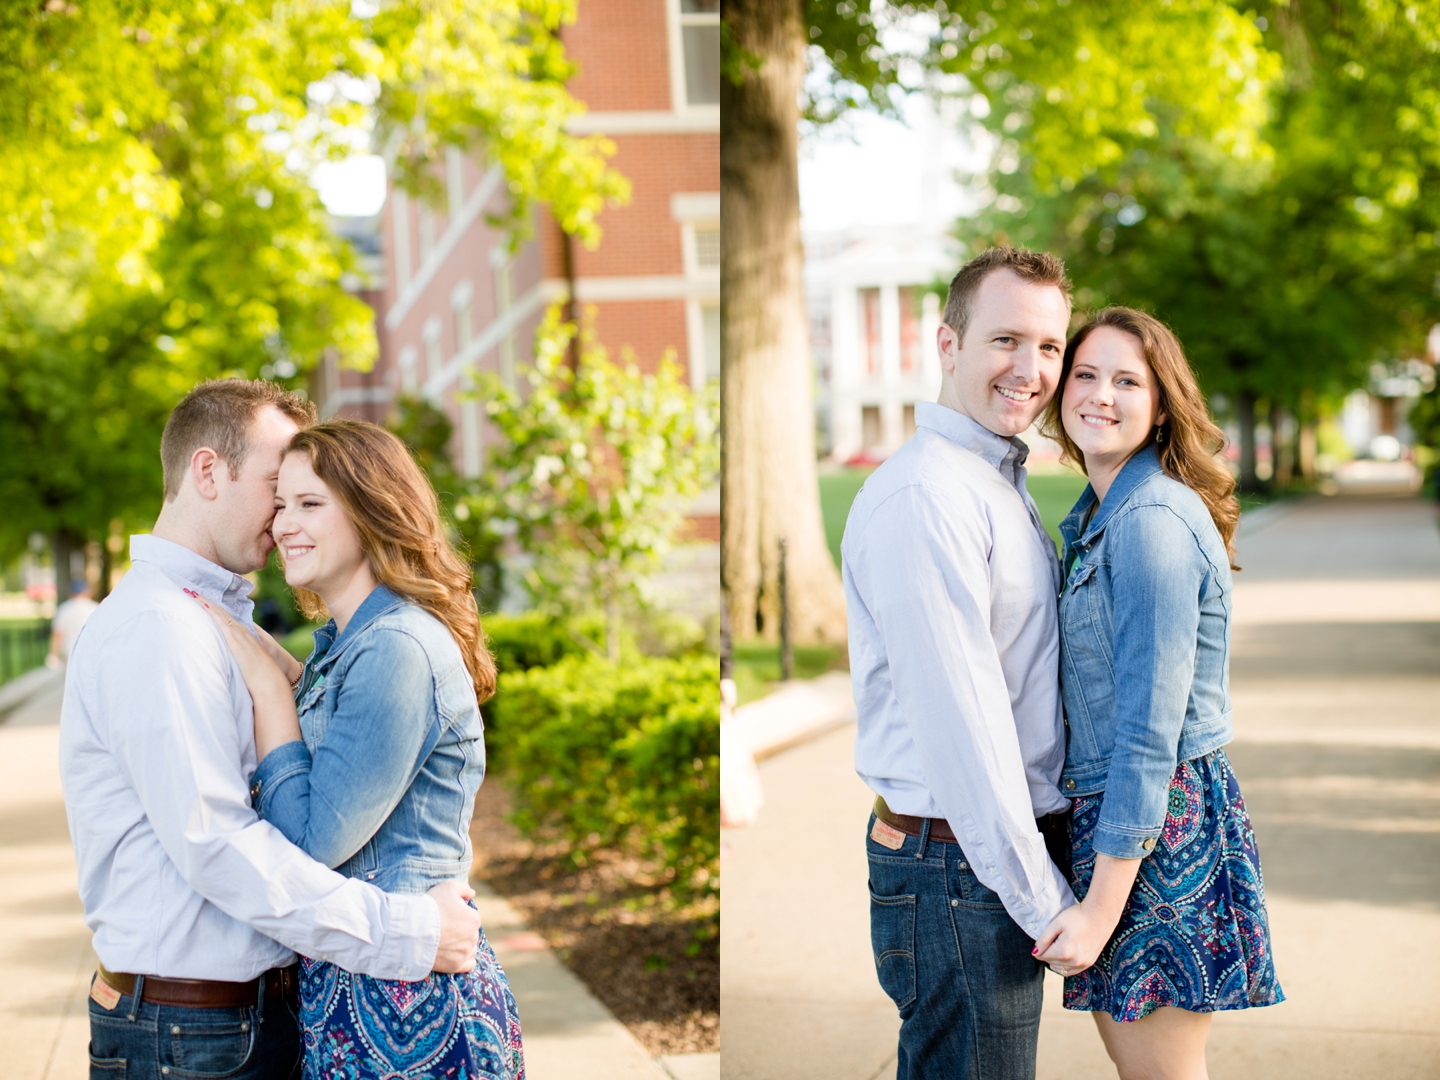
<point>502,264</point>
<point>870,343</point>
<point>699,24</point>
<point>461,303</point>
<point>409,381</point>
<point>707,245</point>
<point>870,426</point>
<point>427,233</point>
<point>912,313</point>
<point>400,233</point>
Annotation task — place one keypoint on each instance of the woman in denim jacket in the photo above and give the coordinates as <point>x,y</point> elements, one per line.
<point>372,765</point>
<point>1171,925</point>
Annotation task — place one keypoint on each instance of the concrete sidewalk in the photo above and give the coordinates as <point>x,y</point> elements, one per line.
<point>46,960</point>
<point>1336,683</point>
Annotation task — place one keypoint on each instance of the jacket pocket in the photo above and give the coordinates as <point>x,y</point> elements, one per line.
<point>892,937</point>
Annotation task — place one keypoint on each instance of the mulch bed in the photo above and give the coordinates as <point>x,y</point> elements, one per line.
<point>656,968</point>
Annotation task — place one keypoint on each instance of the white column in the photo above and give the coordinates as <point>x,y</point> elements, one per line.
<point>892,423</point>
<point>400,233</point>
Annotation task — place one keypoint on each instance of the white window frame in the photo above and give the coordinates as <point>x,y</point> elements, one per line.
<point>677,57</point>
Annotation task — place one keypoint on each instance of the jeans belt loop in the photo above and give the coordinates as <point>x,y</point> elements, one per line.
<point>137,995</point>
<point>924,838</point>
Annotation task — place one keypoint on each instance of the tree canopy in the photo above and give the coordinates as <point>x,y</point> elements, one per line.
<point>156,222</point>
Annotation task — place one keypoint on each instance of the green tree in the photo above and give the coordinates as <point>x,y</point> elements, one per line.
<point>597,465</point>
<point>156,225</point>
<point>1286,272</point>
<point>1088,80</point>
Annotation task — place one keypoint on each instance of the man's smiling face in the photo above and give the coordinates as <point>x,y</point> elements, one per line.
<point>1007,367</point>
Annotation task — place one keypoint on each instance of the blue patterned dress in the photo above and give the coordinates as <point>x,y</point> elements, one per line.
<point>1194,933</point>
<point>460,1027</point>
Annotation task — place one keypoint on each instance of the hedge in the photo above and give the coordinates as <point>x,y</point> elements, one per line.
<point>619,755</point>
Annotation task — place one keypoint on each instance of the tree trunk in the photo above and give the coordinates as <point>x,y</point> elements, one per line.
<point>768,480</point>
<point>1245,417</point>
<point>63,544</point>
<point>1281,452</point>
<point>1305,443</point>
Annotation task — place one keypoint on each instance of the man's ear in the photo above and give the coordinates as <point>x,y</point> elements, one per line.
<point>207,469</point>
<point>947,344</point>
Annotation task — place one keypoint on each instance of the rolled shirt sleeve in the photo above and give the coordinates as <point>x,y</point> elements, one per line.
<point>177,740</point>
<point>931,606</point>
<point>1158,577</point>
<point>330,804</point>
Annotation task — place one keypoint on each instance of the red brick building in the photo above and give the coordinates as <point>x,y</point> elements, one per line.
<point>452,299</point>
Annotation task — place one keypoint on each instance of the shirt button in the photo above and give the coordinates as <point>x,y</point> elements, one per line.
<point>1069,785</point>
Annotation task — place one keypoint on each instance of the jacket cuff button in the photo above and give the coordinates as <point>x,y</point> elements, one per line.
<point>1148,843</point>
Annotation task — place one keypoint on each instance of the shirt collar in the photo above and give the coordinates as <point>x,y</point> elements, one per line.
<point>1143,464</point>
<point>997,450</point>
<point>189,570</point>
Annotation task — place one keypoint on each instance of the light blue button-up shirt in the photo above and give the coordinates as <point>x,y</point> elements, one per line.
<point>178,875</point>
<point>950,581</point>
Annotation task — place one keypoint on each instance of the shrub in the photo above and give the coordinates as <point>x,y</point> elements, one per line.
<point>619,755</point>
<point>533,639</point>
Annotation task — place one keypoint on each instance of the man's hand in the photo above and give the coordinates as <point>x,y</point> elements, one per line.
<point>459,927</point>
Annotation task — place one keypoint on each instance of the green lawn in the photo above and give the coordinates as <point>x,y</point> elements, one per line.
<point>757,666</point>
<point>1054,494</point>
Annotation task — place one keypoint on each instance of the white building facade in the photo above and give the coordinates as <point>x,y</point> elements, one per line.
<point>874,298</point>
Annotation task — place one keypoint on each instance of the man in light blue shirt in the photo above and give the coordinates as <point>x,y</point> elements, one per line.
<point>950,581</point>
<point>196,904</point>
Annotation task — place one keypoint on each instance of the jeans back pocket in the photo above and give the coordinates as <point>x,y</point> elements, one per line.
<point>892,937</point>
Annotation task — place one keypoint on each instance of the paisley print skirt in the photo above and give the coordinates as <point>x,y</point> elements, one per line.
<point>1194,933</point>
<point>460,1027</point>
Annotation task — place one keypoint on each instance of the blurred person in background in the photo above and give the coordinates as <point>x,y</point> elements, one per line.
<point>69,618</point>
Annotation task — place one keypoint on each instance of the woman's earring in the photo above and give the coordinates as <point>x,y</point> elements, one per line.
<point>1159,433</point>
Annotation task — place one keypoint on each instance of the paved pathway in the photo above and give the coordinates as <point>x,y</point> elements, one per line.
<point>1336,681</point>
<point>46,960</point>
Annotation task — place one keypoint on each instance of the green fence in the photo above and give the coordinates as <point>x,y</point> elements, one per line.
<point>23,645</point>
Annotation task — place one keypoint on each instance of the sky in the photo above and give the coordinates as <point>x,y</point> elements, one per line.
<point>354,187</point>
<point>868,170</point>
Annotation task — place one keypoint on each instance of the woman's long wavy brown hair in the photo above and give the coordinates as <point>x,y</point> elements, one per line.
<point>1189,442</point>
<point>397,517</point>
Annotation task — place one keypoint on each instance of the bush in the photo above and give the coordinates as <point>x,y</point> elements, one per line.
<point>619,755</point>
<point>532,639</point>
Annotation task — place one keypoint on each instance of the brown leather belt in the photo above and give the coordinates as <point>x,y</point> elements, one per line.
<point>1055,828</point>
<point>206,993</point>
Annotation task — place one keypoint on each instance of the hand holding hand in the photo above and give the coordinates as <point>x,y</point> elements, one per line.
<point>459,927</point>
<point>1074,939</point>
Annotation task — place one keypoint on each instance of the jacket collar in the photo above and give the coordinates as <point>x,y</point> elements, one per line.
<point>967,433</point>
<point>1143,464</point>
<point>329,645</point>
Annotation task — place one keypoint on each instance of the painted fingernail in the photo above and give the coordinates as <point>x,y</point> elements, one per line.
<point>190,592</point>
<point>1035,951</point>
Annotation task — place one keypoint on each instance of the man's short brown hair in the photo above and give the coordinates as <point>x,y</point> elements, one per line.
<point>1036,267</point>
<point>219,414</point>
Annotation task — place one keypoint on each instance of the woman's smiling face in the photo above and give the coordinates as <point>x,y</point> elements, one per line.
<point>1111,399</point>
<point>315,536</point>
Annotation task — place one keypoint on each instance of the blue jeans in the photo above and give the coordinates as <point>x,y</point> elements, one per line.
<point>257,1042</point>
<point>956,965</point>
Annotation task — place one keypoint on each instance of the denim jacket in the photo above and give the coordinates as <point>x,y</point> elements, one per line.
<point>1144,648</point>
<point>382,787</point>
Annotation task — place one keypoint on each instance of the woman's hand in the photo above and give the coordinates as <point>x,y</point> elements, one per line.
<point>275,720</point>
<point>1075,937</point>
<point>288,665</point>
